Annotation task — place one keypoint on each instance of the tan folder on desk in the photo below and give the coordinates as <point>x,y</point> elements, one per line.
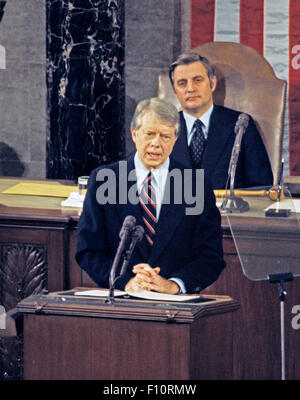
<point>41,189</point>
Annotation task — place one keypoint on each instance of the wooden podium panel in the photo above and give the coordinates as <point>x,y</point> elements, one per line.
<point>70,337</point>
<point>36,235</point>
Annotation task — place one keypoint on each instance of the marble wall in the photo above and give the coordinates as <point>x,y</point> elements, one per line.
<point>85,54</point>
<point>71,75</point>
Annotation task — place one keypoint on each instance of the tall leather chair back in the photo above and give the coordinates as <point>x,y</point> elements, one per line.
<point>245,82</point>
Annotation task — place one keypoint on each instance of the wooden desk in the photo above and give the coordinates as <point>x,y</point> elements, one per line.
<point>257,322</point>
<point>44,238</point>
<point>70,337</point>
<point>37,244</point>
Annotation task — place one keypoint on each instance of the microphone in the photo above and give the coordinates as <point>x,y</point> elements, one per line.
<point>233,203</point>
<point>239,130</point>
<point>126,229</point>
<point>136,236</point>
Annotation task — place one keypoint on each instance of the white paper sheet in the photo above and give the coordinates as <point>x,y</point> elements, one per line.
<point>293,205</point>
<point>142,294</point>
<point>98,293</point>
<point>74,200</point>
<point>145,294</point>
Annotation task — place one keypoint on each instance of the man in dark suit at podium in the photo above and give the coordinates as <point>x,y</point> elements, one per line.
<point>181,250</point>
<point>207,132</point>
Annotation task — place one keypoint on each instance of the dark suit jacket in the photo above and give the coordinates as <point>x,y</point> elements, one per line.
<point>253,168</point>
<point>186,247</point>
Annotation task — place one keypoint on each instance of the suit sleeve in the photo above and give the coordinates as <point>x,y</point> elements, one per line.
<point>93,251</point>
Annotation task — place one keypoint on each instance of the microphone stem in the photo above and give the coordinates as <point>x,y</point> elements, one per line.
<point>127,227</point>
<point>232,177</point>
<point>127,257</point>
<point>114,268</point>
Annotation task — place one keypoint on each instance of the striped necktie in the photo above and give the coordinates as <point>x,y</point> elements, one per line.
<point>197,144</point>
<point>148,203</point>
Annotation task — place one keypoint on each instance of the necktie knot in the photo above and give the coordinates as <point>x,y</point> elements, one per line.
<point>198,124</point>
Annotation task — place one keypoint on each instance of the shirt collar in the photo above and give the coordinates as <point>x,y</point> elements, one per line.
<point>190,119</point>
<point>160,174</point>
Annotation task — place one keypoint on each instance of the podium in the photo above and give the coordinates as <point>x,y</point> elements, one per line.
<point>70,337</point>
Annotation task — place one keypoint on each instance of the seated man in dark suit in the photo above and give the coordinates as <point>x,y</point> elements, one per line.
<point>208,144</point>
<point>181,250</point>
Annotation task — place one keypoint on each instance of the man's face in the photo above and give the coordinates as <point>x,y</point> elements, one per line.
<point>193,88</point>
<point>154,141</point>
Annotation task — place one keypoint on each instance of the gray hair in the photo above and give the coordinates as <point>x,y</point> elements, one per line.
<point>165,111</point>
<point>189,58</point>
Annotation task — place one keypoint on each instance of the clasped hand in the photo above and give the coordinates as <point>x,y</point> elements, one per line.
<point>148,278</point>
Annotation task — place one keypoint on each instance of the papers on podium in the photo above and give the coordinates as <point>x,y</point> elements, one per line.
<point>142,294</point>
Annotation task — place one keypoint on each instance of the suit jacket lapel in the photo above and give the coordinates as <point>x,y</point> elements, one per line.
<point>132,209</point>
<point>218,135</point>
<point>170,216</point>
<point>181,153</point>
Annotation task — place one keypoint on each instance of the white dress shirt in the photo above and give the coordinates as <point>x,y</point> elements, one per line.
<point>158,182</point>
<point>189,120</point>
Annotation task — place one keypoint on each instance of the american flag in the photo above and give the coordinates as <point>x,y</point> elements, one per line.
<point>272,27</point>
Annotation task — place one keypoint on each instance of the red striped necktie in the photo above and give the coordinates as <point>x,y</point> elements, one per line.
<point>148,203</point>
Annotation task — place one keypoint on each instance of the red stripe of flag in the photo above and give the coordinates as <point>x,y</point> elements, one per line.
<point>294,88</point>
<point>252,24</point>
<point>202,21</point>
